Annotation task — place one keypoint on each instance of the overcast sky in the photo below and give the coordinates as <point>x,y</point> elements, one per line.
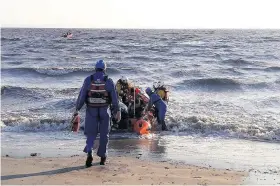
<point>141,13</point>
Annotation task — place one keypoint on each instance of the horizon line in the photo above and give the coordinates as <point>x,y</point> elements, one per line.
<point>113,28</point>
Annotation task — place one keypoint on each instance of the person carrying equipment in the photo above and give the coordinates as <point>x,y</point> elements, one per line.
<point>98,93</point>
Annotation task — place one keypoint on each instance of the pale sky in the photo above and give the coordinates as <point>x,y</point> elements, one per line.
<point>141,13</point>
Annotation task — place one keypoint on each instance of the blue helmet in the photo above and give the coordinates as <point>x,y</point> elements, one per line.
<point>148,90</point>
<point>100,64</point>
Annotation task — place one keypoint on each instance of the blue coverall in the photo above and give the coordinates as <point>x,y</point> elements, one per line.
<point>160,105</point>
<point>97,119</point>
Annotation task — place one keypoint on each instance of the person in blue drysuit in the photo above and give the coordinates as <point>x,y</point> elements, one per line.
<point>98,93</point>
<point>160,106</point>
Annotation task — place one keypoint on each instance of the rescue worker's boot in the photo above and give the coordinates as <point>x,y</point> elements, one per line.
<point>163,126</point>
<point>102,161</point>
<point>89,159</point>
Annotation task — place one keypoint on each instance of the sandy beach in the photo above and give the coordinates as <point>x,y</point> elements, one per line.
<point>118,170</point>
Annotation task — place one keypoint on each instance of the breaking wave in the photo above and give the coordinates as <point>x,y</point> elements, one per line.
<point>208,126</point>
<point>189,125</point>
<point>21,124</point>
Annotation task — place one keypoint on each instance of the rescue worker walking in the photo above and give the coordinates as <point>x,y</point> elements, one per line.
<point>160,106</point>
<point>98,92</point>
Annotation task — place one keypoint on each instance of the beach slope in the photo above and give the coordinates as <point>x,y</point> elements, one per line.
<point>119,170</point>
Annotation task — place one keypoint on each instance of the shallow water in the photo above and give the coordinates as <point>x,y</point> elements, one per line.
<point>222,82</point>
<point>260,159</point>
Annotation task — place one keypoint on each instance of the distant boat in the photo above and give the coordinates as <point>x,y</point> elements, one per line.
<point>68,35</point>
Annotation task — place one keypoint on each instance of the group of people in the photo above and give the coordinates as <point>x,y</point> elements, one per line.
<point>135,103</point>
<point>124,101</point>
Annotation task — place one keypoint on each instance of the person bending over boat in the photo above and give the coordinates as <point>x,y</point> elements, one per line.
<point>160,107</point>
<point>161,90</point>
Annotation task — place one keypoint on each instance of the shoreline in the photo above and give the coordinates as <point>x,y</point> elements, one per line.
<point>118,170</point>
<point>217,153</point>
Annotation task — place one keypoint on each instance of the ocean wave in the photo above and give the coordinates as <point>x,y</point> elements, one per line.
<point>39,59</point>
<point>15,63</point>
<point>21,92</point>
<point>236,62</point>
<point>39,93</point>
<point>221,46</point>
<point>224,84</point>
<point>271,39</point>
<point>103,38</point>
<point>272,102</point>
<point>159,48</point>
<point>100,51</point>
<point>188,124</point>
<point>33,124</point>
<point>252,69</point>
<point>33,51</point>
<point>146,58</point>
<point>57,71</point>
<point>186,73</point>
<point>259,85</point>
<point>208,126</point>
<point>233,71</point>
<point>273,85</point>
<point>3,58</point>
<point>193,44</point>
<point>10,39</point>
<point>212,84</point>
<point>272,69</point>
<point>12,54</point>
<point>63,104</point>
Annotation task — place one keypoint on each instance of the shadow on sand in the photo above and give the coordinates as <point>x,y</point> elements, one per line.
<point>51,172</point>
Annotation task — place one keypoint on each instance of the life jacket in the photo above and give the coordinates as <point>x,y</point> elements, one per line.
<point>142,127</point>
<point>97,95</point>
<point>163,93</point>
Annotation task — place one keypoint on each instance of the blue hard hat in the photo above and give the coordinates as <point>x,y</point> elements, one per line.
<point>100,64</point>
<point>148,90</point>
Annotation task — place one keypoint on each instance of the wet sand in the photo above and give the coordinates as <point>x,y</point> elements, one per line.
<point>118,170</point>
